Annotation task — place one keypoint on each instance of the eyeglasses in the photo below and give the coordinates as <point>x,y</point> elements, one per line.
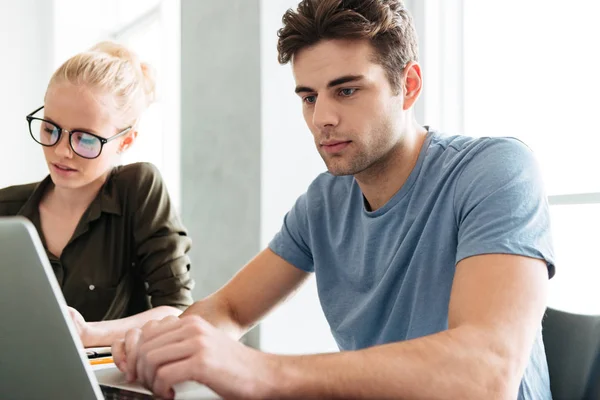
<point>84,144</point>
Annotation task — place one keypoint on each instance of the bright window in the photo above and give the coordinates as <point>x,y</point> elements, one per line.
<point>531,70</point>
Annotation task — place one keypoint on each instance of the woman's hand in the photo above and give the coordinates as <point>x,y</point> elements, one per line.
<point>87,332</point>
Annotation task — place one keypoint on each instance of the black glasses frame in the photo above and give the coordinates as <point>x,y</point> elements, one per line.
<point>102,140</point>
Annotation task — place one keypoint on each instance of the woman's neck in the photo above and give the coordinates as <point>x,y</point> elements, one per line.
<point>73,201</point>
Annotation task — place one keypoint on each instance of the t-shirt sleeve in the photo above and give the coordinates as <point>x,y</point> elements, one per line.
<point>291,242</point>
<point>501,205</point>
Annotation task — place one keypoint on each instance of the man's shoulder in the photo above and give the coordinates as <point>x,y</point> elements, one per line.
<point>485,153</point>
<point>12,198</point>
<point>469,144</point>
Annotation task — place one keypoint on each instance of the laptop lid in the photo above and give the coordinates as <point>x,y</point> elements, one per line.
<point>40,355</point>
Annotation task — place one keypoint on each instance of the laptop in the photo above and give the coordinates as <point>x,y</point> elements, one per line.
<point>41,354</point>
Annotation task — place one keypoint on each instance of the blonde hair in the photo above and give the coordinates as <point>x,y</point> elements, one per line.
<point>114,69</point>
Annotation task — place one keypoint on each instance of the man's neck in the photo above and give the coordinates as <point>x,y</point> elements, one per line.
<point>381,181</point>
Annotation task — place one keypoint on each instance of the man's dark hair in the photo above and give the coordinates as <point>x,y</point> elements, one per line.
<point>387,24</point>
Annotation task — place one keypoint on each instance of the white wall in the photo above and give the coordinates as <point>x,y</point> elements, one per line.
<point>79,25</point>
<point>25,46</point>
<point>289,163</point>
<point>155,38</point>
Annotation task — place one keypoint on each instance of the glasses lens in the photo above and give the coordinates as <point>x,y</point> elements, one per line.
<point>43,132</point>
<point>86,145</point>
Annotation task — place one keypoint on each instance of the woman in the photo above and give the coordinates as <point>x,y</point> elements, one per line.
<point>113,238</point>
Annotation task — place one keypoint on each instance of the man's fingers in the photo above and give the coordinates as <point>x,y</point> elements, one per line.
<point>169,375</point>
<point>132,338</point>
<point>164,348</point>
<point>118,352</point>
<point>178,332</point>
<point>151,360</point>
<point>156,328</point>
<point>135,337</point>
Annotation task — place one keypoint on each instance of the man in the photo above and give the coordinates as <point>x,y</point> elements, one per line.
<point>432,254</point>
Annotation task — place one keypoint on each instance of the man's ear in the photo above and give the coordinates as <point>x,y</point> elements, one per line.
<point>128,141</point>
<point>412,83</point>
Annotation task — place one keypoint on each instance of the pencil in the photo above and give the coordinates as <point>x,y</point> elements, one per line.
<point>105,360</point>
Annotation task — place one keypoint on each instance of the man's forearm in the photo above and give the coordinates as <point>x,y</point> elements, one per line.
<point>457,364</point>
<point>219,314</point>
<point>104,333</point>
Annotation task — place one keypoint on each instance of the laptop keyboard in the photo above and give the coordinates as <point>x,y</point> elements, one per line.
<point>111,393</point>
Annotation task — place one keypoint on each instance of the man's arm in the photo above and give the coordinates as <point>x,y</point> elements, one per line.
<point>496,306</point>
<point>256,289</point>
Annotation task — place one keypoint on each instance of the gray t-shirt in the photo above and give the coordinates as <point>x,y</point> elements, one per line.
<point>386,276</point>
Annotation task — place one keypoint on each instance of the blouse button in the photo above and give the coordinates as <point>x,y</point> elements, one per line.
<point>92,287</point>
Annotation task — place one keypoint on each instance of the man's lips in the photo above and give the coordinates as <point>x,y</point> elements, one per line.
<point>335,146</point>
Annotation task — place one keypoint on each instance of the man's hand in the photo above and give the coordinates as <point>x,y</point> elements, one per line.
<point>124,350</point>
<point>175,350</point>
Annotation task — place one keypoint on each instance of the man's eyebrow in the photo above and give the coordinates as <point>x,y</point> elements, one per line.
<point>335,82</point>
<point>344,79</point>
<point>303,89</point>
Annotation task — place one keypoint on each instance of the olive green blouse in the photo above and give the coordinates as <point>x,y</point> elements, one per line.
<point>128,252</point>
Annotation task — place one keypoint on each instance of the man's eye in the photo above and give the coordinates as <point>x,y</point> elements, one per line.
<point>347,92</point>
<point>310,99</point>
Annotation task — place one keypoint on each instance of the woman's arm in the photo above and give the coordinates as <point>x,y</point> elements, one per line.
<point>104,333</point>
<point>161,241</point>
<point>160,246</point>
